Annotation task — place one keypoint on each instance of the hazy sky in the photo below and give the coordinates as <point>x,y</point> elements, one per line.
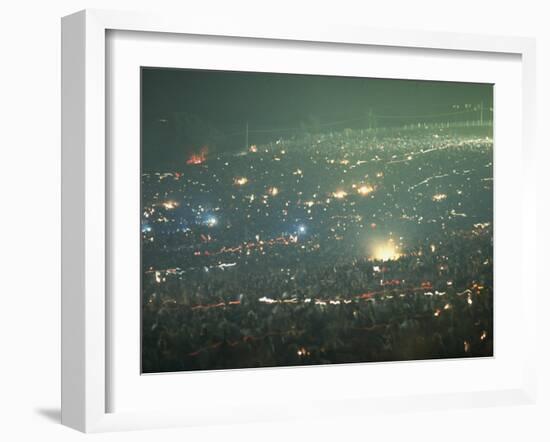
<point>185,109</point>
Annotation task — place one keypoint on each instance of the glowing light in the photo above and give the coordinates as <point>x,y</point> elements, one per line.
<point>482,225</point>
<point>253,148</point>
<point>483,335</point>
<point>439,197</point>
<point>386,251</point>
<point>273,191</point>
<point>339,194</point>
<point>211,221</point>
<point>240,181</point>
<point>224,265</point>
<point>302,229</point>
<point>169,205</point>
<point>365,190</point>
<point>267,300</point>
<point>198,158</point>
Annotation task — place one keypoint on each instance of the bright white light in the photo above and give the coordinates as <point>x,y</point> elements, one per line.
<point>267,300</point>
<point>302,229</point>
<point>365,190</point>
<point>339,194</point>
<point>240,181</point>
<point>212,221</point>
<point>386,251</point>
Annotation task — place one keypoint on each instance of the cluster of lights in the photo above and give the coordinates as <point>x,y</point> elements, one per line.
<point>211,221</point>
<point>169,205</point>
<point>365,190</point>
<point>439,197</point>
<point>240,181</point>
<point>339,194</point>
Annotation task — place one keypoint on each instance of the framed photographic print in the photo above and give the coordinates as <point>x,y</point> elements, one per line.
<point>289,222</point>
<point>275,236</point>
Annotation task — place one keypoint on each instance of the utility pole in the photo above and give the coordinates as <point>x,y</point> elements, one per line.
<point>481,114</point>
<point>371,120</point>
<point>246,137</point>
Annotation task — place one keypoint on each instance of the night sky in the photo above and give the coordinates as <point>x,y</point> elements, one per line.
<point>185,110</point>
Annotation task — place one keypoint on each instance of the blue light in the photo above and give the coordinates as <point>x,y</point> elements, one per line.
<point>302,229</point>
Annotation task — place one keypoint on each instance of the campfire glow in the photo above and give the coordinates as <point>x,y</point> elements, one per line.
<point>198,158</point>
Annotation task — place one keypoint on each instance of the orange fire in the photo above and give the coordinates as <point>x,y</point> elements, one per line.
<point>198,158</point>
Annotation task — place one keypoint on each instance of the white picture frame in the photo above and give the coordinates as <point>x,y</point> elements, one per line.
<point>85,307</point>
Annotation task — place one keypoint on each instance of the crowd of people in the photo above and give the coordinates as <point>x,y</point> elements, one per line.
<point>265,258</point>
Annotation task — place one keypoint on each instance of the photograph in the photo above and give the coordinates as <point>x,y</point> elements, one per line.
<point>301,219</point>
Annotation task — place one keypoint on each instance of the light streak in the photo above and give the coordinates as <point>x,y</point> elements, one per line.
<point>427,180</point>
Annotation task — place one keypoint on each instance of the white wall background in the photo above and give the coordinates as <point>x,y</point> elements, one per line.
<point>30,216</point>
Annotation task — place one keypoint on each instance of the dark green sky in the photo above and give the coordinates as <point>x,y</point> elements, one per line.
<point>184,109</point>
